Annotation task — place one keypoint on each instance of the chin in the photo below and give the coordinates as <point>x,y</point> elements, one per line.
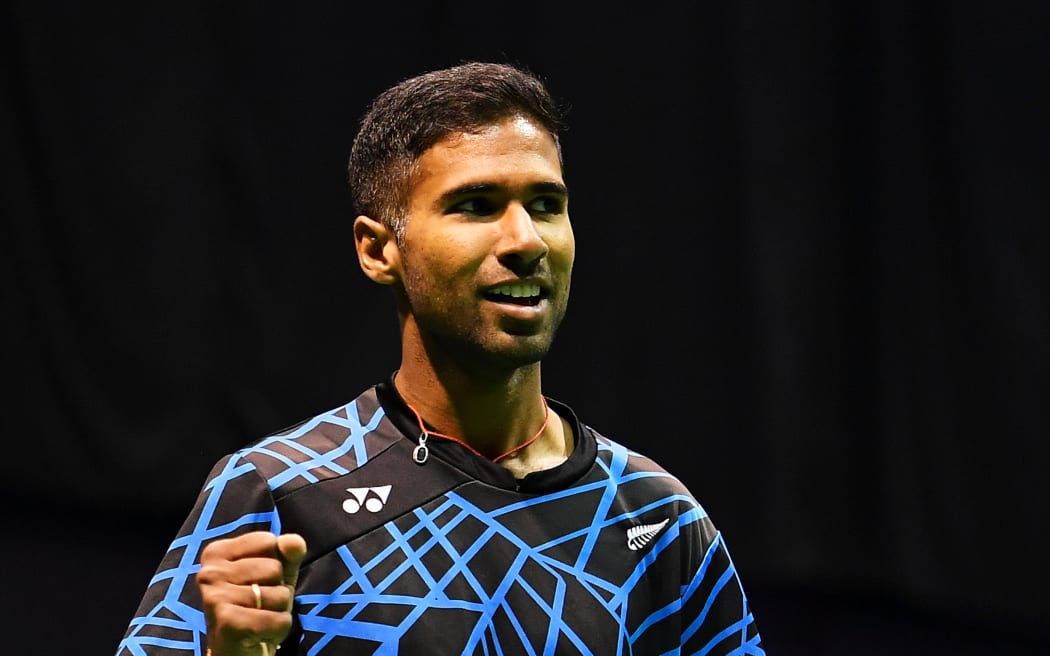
<point>521,354</point>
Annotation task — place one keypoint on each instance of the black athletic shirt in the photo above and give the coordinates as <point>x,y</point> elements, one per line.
<point>606,553</point>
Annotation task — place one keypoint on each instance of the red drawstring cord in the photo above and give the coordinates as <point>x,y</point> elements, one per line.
<point>421,451</point>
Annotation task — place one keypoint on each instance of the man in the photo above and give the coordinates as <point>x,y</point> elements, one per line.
<point>451,509</point>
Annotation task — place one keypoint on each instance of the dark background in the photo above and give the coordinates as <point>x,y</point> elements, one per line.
<point>812,281</point>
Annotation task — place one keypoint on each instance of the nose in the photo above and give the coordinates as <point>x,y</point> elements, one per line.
<point>521,246</point>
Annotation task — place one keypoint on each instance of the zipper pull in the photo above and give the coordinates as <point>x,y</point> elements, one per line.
<point>421,452</point>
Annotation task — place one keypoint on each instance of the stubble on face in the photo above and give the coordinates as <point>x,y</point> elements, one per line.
<point>449,256</point>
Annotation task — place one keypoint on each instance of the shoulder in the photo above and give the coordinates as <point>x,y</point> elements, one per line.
<point>650,490</point>
<point>628,462</point>
<point>325,446</point>
<point>634,470</point>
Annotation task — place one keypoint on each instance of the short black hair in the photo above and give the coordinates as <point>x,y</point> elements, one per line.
<point>410,117</point>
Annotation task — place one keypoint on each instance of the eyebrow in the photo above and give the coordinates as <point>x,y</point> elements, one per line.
<point>546,187</point>
<point>550,188</point>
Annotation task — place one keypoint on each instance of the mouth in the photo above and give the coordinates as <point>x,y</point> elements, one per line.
<point>525,294</point>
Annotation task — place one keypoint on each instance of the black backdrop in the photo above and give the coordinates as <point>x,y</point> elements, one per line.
<point>812,281</point>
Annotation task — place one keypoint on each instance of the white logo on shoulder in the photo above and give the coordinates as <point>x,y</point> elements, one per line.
<point>639,536</point>
<point>371,499</point>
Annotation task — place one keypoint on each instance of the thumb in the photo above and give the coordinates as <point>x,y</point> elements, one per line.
<point>292,548</point>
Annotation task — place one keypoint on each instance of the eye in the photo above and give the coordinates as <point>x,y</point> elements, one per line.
<point>547,205</point>
<point>477,206</point>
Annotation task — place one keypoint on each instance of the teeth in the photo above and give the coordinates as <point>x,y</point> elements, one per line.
<point>517,291</point>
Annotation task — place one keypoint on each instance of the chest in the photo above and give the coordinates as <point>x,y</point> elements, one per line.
<point>569,574</point>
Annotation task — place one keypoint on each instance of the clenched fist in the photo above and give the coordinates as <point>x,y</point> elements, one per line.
<point>247,584</point>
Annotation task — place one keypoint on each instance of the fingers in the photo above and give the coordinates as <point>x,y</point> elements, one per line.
<point>276,597</point>
<point>266,597</point>
<point>228,565</point>
<point>292,549</point>
<point>253,553</point>
<point>256,543</point>
<point>247,584</point>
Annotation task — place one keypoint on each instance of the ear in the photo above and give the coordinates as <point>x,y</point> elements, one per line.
<point>377,251</point>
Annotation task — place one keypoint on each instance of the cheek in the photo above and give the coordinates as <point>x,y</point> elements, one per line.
<point>443,259</point>
<point>562,247</point>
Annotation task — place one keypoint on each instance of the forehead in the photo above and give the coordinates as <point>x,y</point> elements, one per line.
<point>512,151</point>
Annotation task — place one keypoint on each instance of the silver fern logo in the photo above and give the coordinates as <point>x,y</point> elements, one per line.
<point>639,536</point>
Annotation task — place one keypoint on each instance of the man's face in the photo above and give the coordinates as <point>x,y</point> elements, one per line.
<point>488,248</point>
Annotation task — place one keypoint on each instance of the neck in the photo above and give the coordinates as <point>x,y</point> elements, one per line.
<point>492,414</point>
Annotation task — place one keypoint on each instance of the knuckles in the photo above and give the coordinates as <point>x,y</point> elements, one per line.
<point>215,550</point>
<point>231,617</point>
<point>285,597</point>
<point>211,574</point>
<point>269,571</point>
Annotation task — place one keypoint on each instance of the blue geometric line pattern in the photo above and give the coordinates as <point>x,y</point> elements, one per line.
<point>170,614</point>
<point>400,545</point>
<point>353,444</point>
<point>483,569</point>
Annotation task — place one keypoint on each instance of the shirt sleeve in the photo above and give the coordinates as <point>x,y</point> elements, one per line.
<point>717,618</point>
<point>235,499</point>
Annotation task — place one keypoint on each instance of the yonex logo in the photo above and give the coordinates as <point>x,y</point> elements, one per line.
<point>639,536</point>
<point>371,499</point>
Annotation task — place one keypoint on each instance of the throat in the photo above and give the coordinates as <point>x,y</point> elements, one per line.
<point>425,434</point>
<point>547,454</point>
